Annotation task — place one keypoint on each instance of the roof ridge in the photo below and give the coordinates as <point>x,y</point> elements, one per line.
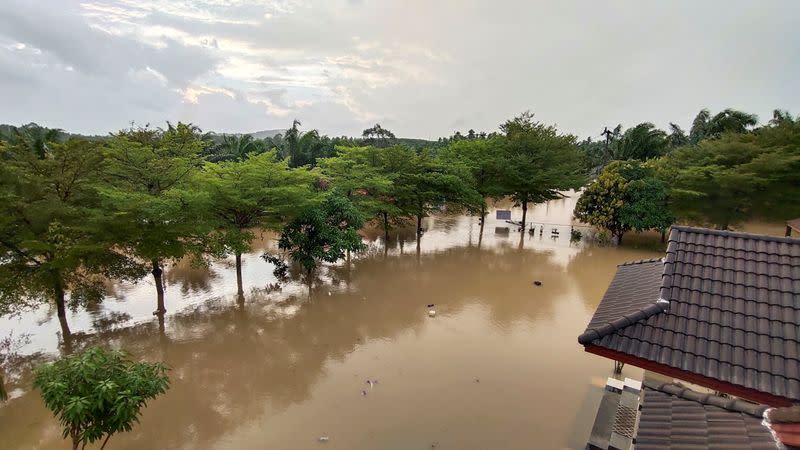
<point>628,319</point>
<point>640,261</point>
<point>730,404</point>
<point>729,233</point>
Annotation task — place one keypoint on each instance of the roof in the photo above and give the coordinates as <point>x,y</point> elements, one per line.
<point>794,224</point>
<point>674,417</point>
<point>726,307</point>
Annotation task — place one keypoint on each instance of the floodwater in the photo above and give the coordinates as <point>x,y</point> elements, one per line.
<point>498,367</point>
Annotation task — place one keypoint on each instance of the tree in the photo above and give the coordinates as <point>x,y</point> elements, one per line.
<point>677,137</point>
<point>360,174</point>
<point>146,172</point>
<point>54,237</point>
<point>240,196</point>
<point>236,148</point>
<point>322,233</point>
<point>738,176</point>
<point>34,138</point>
<point>539,162</point>
<point>98,393</point>
<point>626,196</point>
<point>378,136</point>
<point>729,120</point>
<point>481,163</point>
<point>642,142</point>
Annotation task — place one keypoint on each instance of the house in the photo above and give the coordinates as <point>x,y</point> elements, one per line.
<point>721,310</point>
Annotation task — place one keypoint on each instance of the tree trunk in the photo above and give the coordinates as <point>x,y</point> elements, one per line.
<point>75,443</point>
<point>385,228</point>
<point>157,272</point>
<point>524,214</point>
<point>663,235</point>
<point>58,290</point>
<point>239,289</point>
<point>419,226</point>
<point>619,238</point>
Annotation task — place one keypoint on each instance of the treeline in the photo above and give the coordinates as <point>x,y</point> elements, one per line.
<point>724,171</point>
<point>75,213</point>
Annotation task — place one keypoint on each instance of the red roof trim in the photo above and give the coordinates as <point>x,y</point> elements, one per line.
<point>711,383</point>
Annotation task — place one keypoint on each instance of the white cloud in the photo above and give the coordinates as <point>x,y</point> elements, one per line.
<point>421,67</point>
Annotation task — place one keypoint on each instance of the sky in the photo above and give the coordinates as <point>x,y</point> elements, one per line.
<point>421,68</point>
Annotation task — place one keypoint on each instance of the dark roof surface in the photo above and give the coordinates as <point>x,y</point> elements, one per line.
<point>673,417</point>
<point>733,313</point>
<point>631,296</point>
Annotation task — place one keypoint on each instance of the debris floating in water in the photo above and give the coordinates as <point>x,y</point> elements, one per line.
<point>537,283</point>
<point>477,380</point>
<point>372,383</point>
<point>363,392</point>
<point>431,305</point>
<point>324,439</point>
<point>432,312</point>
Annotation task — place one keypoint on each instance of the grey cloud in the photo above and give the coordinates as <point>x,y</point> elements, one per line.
<point>425,67</point>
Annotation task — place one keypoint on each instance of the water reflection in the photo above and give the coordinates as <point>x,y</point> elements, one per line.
<point>498,367</point>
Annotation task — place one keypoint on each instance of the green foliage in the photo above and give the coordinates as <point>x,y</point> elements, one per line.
<point>257,192</point>
<point>642,142</point>
<point>323,233</point>
<point>235,148</point>
<point>98,392</point>
<point>727,180</point>
<point>378,136</point>
<point>626,196</point>
<point>729,120</point>
<point>481,162</point>
<point>54,237</point>
<point>146,196</point>
<point>539,162</point>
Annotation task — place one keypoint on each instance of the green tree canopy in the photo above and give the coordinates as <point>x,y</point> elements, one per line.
<point>539,162</point>
<point>146,172</point>
<point>626,196</point>
<point>240,196</point>
<point>642,142</point>
<point>322,233</point>
<point>54,237</point>
<point>98,393</point>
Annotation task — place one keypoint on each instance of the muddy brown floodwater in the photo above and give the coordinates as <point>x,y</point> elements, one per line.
<point>498,367</point>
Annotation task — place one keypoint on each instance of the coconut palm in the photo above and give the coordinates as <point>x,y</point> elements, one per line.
<point>644,141</point>
<point>236,148</point>
<point>34,138</point>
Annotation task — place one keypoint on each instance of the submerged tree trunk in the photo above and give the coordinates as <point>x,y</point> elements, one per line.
<point>385,227</point>
<point>419,225</point>
<point>157,276</point>
<point>239,288</point>
<point>524,214</point>
<point>663,235</point>
<point>58,290</point>
<point>619,238</point>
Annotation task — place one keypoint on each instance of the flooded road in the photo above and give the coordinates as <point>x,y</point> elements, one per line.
<point>498,367</point>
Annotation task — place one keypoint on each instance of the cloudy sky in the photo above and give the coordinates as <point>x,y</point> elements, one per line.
<point>422,68</point>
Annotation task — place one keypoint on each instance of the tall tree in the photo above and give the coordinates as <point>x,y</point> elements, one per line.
<point>34,138</point>
<point>677,137</point>
<point>147,170</point>
<point>481,162</point>
<point>378,136</point>
<point>54,237</point>
<point>642,142</point>
<point>241,196</point>
<point>539,162</point>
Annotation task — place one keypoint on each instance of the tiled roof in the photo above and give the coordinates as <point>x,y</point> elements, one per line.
<point>733,311</point>
<point>673,417</point>
<point>631,296</point>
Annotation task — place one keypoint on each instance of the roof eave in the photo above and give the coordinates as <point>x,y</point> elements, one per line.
<point>710,383</point>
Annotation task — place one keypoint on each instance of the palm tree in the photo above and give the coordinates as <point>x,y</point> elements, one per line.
<point>644,141</point>
<point>34,138</point>
<point>677,137</point>
<point>732,121</point>
<point>236,148</point>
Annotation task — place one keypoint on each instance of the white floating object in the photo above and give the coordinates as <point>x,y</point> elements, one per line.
<point>432,313</point>
<point>324,439</point>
